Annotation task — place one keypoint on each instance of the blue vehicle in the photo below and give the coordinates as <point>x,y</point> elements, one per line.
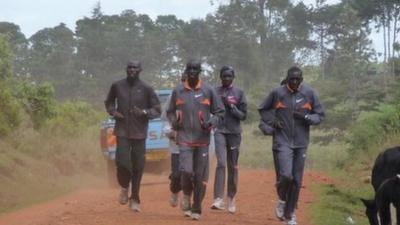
<point>157,144</point>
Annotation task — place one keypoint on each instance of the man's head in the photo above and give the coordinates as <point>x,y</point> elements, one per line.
<point>133,69</point>
<point>227,74</point>
<point>192,70</point>
<point>294,77</point>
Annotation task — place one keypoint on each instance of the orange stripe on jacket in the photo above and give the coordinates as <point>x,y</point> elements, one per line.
<point>307,106</point>
<point>179,102</point>
<point>280,105</point>
<point>206,101</point>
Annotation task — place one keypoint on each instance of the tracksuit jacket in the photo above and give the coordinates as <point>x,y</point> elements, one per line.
<point>122,97</point>
<point>192,109</point>
<point>280,104</point>
<point>230,123</point>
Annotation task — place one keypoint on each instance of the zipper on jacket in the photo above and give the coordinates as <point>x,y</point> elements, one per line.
<point>293,98</point>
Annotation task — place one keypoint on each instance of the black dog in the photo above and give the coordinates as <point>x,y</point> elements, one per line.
<point>386,182</point>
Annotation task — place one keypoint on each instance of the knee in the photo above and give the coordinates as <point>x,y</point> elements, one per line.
<point>186,174</point>
<point>285,178</point>
<point>221,164</point>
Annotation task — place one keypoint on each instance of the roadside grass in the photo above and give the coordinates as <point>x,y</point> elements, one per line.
<point>38,166</point>
<point>340,203</point>
<point>337,203</point>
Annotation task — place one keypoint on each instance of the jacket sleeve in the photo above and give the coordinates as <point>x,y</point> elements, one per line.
<point>171,107</point>
<point>267,114</point>
<point>240,111</point>
<point>155,108</point>
<point>110,101</point>
<point>317,114</point>
<point>217,108</point>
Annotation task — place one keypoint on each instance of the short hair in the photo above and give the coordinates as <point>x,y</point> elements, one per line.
<point>134,63</point>
<point>193,62</point>
<point>227,68</point>
<point>294,69</point>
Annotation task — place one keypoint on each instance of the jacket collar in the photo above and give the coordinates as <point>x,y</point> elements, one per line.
<point>198,85</point>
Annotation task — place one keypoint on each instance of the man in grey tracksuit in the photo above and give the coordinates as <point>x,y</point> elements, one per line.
<point>286,114</point>
<point>132,103</point>
<point>194,110</point>
<point>227,139</point>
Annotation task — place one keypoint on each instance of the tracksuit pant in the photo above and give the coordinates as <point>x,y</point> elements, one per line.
<point>289,167</point>
<point>193,163</point>
<point>227,153</point>
<point>175,176</point>
<point>130,161</point>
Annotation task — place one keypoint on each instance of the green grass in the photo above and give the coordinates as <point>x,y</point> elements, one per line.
<point>335,203</point>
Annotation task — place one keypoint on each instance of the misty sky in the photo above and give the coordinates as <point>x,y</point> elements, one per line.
<point>34,15</point>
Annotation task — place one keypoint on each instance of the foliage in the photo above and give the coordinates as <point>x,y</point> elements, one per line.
<point>372,128</point>
<point>9,108</point>
<point>72,118</point>
<point>9,111</point>
<point>36,100</point>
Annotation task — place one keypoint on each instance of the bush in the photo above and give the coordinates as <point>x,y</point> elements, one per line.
<point>71,118</point>
<point>37,100</point>
<point>9,111</point>
<point>371,128</point>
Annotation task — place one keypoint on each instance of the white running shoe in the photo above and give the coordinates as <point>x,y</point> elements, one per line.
<point>231,205</point>
<point>135,206</point>
<point>292,221</point>
<point>218,204</point>
<point>195,216</point>
<point>123,196</point>
<point>187,213</point>
<point>280,209</point>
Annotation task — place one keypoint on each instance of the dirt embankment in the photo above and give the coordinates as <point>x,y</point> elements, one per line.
<point>98,205</point>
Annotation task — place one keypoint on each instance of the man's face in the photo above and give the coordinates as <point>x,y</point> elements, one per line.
<point>133,70</point>
<point>294,80</point>
<point>227,78</point>
<point>193,72</point>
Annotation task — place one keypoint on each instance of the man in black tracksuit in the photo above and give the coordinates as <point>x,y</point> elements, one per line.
<point>194,109</point>
<point>227,139</point>
<point>286,114</point>
<point>132,103</point>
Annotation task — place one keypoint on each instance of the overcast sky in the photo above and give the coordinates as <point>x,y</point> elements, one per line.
<point>34,15</point>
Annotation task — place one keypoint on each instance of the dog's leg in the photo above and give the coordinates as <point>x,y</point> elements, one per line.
<point>384,213</point>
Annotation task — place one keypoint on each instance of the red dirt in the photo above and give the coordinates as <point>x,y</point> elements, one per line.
<point>98,205</point>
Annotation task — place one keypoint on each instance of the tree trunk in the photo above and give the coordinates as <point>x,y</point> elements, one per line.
<point>384,40</point>
<point>389,26</point>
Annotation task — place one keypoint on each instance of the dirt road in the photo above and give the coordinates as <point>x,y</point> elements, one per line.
<point>98,205</point>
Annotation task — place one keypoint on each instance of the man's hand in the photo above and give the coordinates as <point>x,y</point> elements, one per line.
<point>171,135</point>
<point>139,112</point>
<point>300,114</point>
<point>277,124</point>
<point>117,115</point>
<point>176,124</point>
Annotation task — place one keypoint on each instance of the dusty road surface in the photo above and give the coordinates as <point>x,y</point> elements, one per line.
<point>98,205</point>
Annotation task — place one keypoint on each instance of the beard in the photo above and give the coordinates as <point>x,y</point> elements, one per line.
<point>132,79</point>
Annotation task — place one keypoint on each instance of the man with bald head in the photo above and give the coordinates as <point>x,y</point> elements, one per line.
<point>287,114</point>
<point>132,103</point>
